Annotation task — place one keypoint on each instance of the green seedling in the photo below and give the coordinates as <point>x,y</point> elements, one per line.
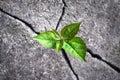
<point>66,40</point>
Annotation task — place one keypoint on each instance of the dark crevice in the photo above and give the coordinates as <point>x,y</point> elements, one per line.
<point>69,63</point>
<point>61,16</point>
<point>101,59</point>
<point>21,20</point>
<point>30,26</point>
<point>63,52</point>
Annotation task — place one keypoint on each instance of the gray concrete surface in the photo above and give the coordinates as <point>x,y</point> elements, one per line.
<point>22,58</point>
<point>101,31</point>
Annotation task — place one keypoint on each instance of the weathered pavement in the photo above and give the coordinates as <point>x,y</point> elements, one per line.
<point>22,58</point>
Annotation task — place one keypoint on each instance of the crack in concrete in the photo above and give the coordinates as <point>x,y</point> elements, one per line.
<point>63,52</point>
<point>63,12</point>
<point>21,20</point>
<point>101,59</point>
<point>88,50</point>
<point>69,63</point>
<point>30,26</point>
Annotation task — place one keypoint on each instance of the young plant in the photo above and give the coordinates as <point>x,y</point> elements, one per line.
<point>66,40</point>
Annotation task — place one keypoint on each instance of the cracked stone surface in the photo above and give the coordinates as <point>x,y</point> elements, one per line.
<point>22,58</point>
<point>39,13</point>
<point>100,28</point>
<point>101,31</point>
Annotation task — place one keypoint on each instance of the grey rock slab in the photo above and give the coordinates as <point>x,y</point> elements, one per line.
<point>101,31</point>
<point>93,69</point>
<point>39,13</point>
<point>22,58</point>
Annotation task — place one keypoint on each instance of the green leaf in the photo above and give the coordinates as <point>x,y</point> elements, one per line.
<point>59,45</point>
<point>69,31</point>
<point>76,47</point>
<point>48,39</point>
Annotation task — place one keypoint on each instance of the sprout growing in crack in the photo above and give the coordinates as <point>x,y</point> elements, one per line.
<point>66,40</point>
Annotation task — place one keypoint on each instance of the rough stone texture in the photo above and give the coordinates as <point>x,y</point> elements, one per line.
<point>39,13</point>
<point>21,58</point>
<point>101,31</point>
<point>100,28</point>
